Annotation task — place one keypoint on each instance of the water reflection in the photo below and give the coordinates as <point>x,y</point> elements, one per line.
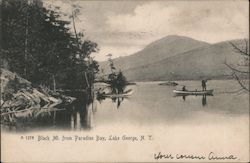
<point>76,116</point>
<point>81,116</point>
<point>203,99</point>
<point>117,100</point>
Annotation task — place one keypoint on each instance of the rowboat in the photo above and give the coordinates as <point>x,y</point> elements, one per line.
<point>121,95</point>
<point>196,92</point>
<point>169,83</point>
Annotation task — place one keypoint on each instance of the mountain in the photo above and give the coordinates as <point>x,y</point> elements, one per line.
<point>180,58</point>
<point>156,51</point>
<point>204,62</point>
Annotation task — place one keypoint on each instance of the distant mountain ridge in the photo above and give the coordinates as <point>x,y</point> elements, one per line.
<point>178,58</point>
<point>156,51</point>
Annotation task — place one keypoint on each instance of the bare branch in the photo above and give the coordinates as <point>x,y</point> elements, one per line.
<point>234,69</point>
<point>240,82</point>
<point>245,53</point>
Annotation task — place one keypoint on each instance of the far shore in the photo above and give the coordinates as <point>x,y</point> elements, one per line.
<point>180,80</point>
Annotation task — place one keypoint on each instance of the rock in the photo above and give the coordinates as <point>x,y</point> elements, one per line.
<point>19,98</point>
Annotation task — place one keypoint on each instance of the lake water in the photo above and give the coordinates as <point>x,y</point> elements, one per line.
<point>194,125</point>
<point>150,104</point>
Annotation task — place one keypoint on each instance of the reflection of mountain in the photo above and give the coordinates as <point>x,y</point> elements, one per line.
<point>176,58</point>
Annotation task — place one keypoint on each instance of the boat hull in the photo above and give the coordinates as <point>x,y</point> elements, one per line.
<point>183,93</point>
<point>122,95</point>
<point>117,96</point>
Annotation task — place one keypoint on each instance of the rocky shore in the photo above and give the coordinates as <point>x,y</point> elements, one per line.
<point>20,99</point>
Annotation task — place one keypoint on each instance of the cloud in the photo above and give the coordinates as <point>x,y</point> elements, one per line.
<point>209,21</point>
<point>145,18</point>
<point>124,27</point>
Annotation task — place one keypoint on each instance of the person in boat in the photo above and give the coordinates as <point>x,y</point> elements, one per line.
<point>204,85</point>
<point>184,89</point>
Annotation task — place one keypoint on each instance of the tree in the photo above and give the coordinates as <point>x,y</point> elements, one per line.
<point>13,22</point>
<point>240,71</point>
<point>40,47</point>
<point>85,66</point>
<point>30,46</point>
<point>116,79</point>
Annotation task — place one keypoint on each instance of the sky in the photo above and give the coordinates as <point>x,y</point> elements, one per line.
<point>125,27</point>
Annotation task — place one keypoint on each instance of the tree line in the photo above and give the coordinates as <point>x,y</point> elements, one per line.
<point>39,46</point>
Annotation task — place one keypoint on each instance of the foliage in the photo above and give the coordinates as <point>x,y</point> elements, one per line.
<point>40,47</point>
<point>116,80</point>
<point>10,89</point>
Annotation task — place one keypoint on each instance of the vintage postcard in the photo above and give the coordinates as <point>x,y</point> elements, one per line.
<point>124,81</point>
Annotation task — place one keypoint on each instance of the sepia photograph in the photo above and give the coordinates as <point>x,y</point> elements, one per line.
<point>124,81</point>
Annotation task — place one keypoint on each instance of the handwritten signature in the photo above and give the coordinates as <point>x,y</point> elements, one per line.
<point>210,156</point>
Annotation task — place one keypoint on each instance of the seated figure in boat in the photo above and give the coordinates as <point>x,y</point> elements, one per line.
<point>184,88</point>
